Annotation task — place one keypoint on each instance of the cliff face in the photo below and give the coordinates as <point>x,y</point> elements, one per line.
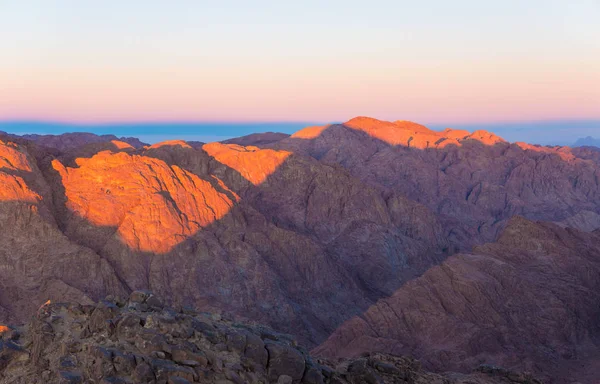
<point>330,227</point>
<point>37,261</point>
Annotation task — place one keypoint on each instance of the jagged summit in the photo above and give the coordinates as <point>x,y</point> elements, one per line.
<point>408,133</point>
<point>405,133</point>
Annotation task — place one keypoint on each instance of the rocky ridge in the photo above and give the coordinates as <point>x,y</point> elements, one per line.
<point>139,340</point>
<point>473,182</point>
<point>67,141</point>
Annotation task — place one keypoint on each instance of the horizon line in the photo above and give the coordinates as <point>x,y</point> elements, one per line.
<point>274,122</point>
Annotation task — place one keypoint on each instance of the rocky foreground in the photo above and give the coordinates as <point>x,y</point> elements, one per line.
<point>140,341</point>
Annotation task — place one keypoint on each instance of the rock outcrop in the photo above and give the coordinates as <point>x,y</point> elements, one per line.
<point>152,206</point>
<point>140,341</point>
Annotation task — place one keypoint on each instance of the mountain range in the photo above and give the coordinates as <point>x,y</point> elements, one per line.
<point>457,248</point>
<point>587,141</point>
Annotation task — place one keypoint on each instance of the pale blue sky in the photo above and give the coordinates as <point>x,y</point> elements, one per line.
<point>130,30</point>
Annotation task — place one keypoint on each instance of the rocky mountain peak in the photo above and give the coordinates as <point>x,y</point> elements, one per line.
<point>405,133</point>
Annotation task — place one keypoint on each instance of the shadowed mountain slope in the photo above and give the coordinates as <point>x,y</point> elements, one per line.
<point>528,301</point>
<point>472,182</point>
<point>257,139</point>
<point>68,141</point>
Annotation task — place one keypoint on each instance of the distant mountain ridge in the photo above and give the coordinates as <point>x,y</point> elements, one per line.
<point>588,141</point>
<point>558,132</point>
<point>73,140</point>
<point>333,225</point>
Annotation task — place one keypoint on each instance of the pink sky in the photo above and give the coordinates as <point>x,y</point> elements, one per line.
<point>511,63</point>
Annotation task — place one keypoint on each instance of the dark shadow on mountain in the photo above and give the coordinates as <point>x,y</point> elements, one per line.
<point>71,140</point>
<point>527,302</point>
<point>473,184</point>
<point>37,261</point>
<point>342,222</point>
<point>258,139</point>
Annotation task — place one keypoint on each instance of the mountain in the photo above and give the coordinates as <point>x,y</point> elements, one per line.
<point>473,182</point>
<point>587,141</point>
<point>308,233</point>
<point>257,139</point>
<point>528,300</point>
<point>72,140</point>
<point>138,340</point>
<point>209,227</point>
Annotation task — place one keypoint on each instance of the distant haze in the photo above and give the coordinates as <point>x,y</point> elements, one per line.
<point>544,133</point>
<point>155,132</point>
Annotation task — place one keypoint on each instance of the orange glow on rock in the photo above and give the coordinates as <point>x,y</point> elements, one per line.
<point>121,144</point>
<point>409,134</point>
<point>309,132</point>
<point>251,162</point>
<point>13,187</point>
<point>170,143</point>
<point>154,206</point>
<point>563,152</point>
<point>12,158</point>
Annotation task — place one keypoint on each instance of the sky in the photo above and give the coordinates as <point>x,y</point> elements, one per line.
<point>440,63</point>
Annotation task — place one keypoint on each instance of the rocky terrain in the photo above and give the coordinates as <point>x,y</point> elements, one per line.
<point>473,182</point>
<point>528,300</point>
<point>138,340</point>
<point>367,236</point>
<point>209,227</point>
